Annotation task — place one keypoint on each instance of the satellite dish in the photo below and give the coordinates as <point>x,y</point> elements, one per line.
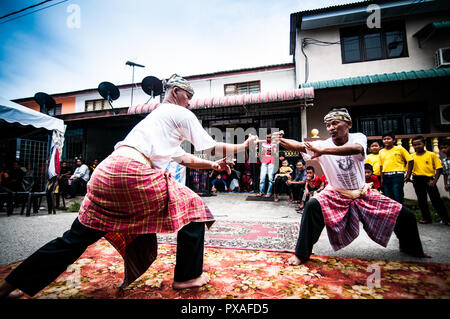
<point>45,101</point>
<point>109,92</point>
<point>152,86</point>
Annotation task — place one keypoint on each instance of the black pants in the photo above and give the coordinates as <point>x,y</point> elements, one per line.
<point>52,259</point>
<point>421,188</point>
<point>280,185</point>
<point>77,185</point>
<point>297,191</point>
<point>312,224</point>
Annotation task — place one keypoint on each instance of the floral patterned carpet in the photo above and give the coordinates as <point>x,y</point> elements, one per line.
<point>272,236</point>
<point>245,273</point>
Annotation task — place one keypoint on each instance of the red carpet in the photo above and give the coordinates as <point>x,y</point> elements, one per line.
<point>249,274</point>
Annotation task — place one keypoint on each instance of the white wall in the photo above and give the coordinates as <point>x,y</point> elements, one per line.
<point>272,80</point>
<point>325,62</point>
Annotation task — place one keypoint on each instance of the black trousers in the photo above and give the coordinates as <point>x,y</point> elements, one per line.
<point>280,186</point>
<point>421,188</point>
<point>77,185</point>
<point>52,259</point>
<point>312,224</point>
<point>297,191</point>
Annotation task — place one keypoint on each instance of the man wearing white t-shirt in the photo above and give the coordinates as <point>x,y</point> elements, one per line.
<point>347,200</point>
<point>130,197</point>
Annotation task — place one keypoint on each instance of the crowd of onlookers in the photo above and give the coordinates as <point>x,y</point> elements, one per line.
<point>387,167</point>
<point>15,178</point>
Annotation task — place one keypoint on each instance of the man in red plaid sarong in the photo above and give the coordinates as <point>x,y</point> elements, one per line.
<point>347,200</point>
<point>130,198</point>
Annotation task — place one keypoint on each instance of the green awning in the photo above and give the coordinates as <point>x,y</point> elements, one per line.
<point>378,78</point>
<point>429,30</point>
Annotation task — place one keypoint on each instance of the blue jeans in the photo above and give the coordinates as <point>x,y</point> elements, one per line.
<point>266,170</point>
<point>393,187</point>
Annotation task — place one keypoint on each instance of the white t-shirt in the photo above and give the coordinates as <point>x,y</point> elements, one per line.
<point>345,172</point>
<point>160,134</point>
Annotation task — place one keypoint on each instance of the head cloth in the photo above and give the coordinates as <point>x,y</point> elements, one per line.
<point>337,114</point>
<point>178,81</point>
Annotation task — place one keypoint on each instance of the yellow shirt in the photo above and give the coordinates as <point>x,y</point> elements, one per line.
<point>395,159</point>
<point>285,170</point>
<point>426,164</point>
<point>374,160</point>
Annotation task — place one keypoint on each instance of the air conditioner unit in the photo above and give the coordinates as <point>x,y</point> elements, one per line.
<point>444,114</point>
<point>442,57</point>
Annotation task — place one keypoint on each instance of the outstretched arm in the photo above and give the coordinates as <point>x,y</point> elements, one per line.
<point>225,149</point>
<point>352,149</point>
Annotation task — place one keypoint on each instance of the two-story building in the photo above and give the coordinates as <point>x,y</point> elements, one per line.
<point>387,63</point>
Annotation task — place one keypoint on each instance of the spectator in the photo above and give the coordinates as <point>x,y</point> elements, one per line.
<point>93,166</point>
<point>63,178</point>
<point>16,175</point>
<point>281,178</point>
<point>393,160</point>
<point>314,184</point>
<point>371,177</point>
<point>374,157</point>
<point>267,165</point>
<point>297,185</point>
<point>219,185</point>
<point>426,172</point>
<point>4,179</point>
<point>445,148</point>
<point>79,178</point>
<point>235,176</point>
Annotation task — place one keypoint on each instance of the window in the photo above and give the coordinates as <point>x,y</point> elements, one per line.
<point>243,88</point>
<point>401,119</point>
<point>96,105</point>
<point>363,44</point>
<point>53,111</point>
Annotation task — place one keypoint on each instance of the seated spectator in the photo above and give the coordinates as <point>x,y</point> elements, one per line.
<point>281,178</point>
<point>219,185</point>
<point>16,174</point>
<point>63,178</point>
<point>314,184</point>
<point>79,178</point>
<point>93,166</point>
<point>324,180</point>
<point>371,177</point>
<point>8,197</point>
<point>234,179</point>
<point>297,185</point>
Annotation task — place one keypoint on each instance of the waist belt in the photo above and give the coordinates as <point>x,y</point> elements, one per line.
<point>393,173</point>
<point>132,153</point>
<point>353,193</point>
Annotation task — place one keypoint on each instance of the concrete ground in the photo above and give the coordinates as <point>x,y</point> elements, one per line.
<point>20,236</point>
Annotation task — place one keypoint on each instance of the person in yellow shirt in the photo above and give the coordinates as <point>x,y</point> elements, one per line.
<point>393,161</point>
<point>374,157</point>
<point>426,172</point>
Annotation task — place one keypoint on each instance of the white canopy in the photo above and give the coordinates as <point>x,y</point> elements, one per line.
<point>15,113</point>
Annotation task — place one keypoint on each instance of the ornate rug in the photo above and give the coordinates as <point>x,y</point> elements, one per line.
<point>272,236</point>
<point>254,274</point>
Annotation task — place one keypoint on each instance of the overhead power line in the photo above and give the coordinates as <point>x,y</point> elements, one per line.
<point>19,11</point>
<point>17,17</point>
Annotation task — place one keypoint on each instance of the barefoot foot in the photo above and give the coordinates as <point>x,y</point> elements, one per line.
<point>294,261</point>
<point>202,280</point>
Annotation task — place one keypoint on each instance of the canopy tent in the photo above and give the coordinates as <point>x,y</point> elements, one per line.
<point>18,121</point>
<point>19,115</point>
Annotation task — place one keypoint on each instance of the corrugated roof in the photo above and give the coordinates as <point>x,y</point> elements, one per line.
<point>235,100</point>
<point>378,78</point>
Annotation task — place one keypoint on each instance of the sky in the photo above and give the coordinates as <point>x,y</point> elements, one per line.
<point>76,44</point>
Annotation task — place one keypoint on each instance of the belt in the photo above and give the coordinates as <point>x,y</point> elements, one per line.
<point>132,153</point>
<point>393,173</point>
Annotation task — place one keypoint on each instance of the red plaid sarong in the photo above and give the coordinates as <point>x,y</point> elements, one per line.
<point>132,202</point>
<point>342,215</point>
